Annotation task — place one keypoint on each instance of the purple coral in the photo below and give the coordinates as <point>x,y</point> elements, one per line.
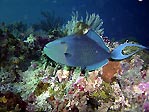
<point>137,61</point>
<point>146,106</point>
<point>125,66</point>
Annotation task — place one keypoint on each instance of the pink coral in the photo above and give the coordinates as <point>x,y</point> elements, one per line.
<point>88,84</point>
<point>144,86</point>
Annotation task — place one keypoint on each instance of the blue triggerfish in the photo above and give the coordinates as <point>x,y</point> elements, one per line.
<point>87,51</point>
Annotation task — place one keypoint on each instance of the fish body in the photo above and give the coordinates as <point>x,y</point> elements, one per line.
<point>87,51</point>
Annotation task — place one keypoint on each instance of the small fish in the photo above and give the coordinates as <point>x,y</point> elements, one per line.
<point>87,51</point>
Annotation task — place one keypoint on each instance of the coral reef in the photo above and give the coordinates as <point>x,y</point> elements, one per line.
<point>29,81</point>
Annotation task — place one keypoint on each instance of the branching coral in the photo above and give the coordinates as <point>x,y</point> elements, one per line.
<point>95,22</point>
<point>30,80</point>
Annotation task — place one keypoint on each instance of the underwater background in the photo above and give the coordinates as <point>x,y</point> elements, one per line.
<point>32,82</point>
<point>122,19</point>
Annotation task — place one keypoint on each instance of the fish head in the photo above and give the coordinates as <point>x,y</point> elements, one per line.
<point>56,51</point>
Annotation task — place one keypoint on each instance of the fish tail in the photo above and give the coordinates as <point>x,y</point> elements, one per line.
<point>117,52</point>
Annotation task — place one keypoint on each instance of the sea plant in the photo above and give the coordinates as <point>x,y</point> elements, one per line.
<point>93,21</point>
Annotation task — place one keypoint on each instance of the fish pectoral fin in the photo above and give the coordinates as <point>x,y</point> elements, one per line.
<point>97,65</point>
<point>62,42</point>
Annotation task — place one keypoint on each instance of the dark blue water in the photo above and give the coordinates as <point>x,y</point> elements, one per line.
<point>123,19</point>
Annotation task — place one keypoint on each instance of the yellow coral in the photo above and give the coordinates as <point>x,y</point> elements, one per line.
<point>3,99</point>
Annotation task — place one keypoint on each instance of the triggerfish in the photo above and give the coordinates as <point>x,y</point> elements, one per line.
<point>87,51</point>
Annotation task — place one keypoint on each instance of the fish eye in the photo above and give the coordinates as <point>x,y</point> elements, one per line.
<point>85,30</point>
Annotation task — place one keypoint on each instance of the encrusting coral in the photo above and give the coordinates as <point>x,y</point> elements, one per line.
<point>109,71</point>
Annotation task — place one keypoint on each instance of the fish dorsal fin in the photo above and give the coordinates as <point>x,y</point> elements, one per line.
<point>94,36</point>
<point>97,65</point>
